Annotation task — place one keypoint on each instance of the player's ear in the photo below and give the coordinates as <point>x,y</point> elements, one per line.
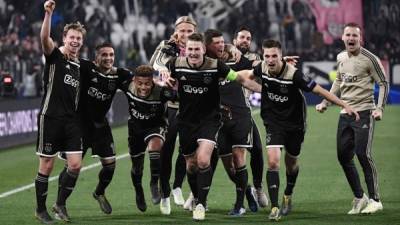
<point>204,48</point>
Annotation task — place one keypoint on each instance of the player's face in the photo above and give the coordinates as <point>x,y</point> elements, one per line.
<point>105,58</point>
<point>195,51</point>
<point>243,41</point>
<point>352,39</point>
<point>143,85</point>
<point>73,41</point>
<point>184,30</point>
<point>216,47</point>
<point>273,58</point>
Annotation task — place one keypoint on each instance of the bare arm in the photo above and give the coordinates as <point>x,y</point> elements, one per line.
<point>245,77</point>
<point>47,42</point>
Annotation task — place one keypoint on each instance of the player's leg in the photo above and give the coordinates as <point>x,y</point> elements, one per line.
<point>272,177</point>
<point>257,166</point>
<point>275,142</point>
<point>46,150</point>
<point>364,131</point>
<point>167,153</point>
<point>41,186</point>
<point>154,144</point>
<point>103,147</point>
<point>137,148</point>
<point>241,177</point>
<point>345,154</point>
<point>293,142</point>
<point>204,176</point>
<point>180,172</point>
<point>67,184</point>
<point>73,150</point>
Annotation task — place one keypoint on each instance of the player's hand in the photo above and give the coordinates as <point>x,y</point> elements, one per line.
<point>377,114</point>
<point>321,107</point>
<point>164,74</point>
<point>49,6</point>
<point>350,112</point>
<point>291,59</point>
<point>171,82</point>
<point>237,54</point>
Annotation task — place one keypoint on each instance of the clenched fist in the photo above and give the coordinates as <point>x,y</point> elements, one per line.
<point>49,6</point>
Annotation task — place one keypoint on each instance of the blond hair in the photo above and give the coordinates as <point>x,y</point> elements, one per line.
<point>74,26</point>
<point>185,19</point>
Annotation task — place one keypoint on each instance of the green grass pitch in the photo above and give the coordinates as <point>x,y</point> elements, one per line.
<point>321,196</point>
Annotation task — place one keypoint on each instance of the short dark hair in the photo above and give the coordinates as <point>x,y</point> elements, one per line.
<point>210,34</point>
<point>144,71</point>
<point>104,45</point>
<point>271,44</point>
<point>196,37</point>
<point>352,24</point>
<point>242,28</point>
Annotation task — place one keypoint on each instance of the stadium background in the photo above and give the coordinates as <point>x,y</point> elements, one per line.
<point>308,28</point>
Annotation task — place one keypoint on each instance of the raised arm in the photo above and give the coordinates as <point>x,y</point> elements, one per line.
<point>47,42</point>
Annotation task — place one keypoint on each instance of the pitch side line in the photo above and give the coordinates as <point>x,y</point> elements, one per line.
<point>26,187</point>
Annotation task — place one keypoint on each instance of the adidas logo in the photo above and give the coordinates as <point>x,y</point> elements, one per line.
<point>365,126</point>
<point>182,78</point>
<point>94,80</point>
<point>67,66</point>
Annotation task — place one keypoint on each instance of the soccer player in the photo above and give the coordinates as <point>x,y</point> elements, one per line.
<point>146,125</point>
<point>198,78</point>
<point>184,26</point>
<point>100,84</point>
<point>58,122</point>
<point>358,71</point>
<point>283,110</point>
<point>235,135</point>
<point>242,41</point>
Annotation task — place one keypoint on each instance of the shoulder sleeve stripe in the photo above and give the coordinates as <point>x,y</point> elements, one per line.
<point>374,63</point>
<point>378,70</point>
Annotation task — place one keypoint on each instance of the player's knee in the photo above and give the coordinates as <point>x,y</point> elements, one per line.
<point>203,162</point>
<point>191,168</point>
<point>74,167</point>
<point>292,168</point>
<point>344,158</point>
<point>239,159</point>
<point>273,164</point>
<point>46,165</point>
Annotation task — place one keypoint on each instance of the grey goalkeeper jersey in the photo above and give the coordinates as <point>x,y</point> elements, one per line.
<point>356,78</point>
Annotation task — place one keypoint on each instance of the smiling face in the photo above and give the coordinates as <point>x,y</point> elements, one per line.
<point>216,48</point>
<point>143,85</point>
<point>243,41</point>
<point>105,58</point>
<point>273,58</point>
<point>352,39</point>
<point>73,41</point>
<point>195,51</point>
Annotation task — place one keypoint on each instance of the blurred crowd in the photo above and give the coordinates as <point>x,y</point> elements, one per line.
<point>135,27</point>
